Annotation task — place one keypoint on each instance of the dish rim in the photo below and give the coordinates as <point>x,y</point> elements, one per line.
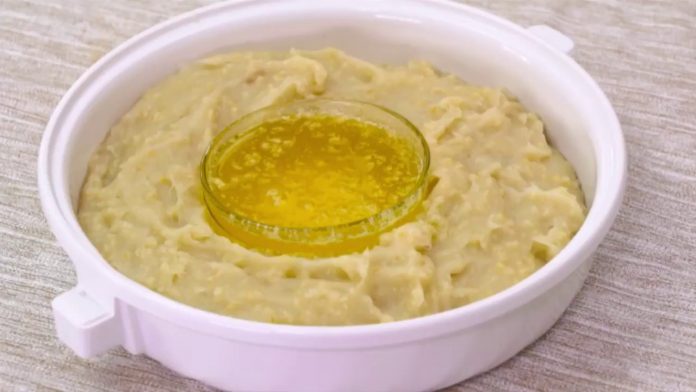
<point>610,159</point>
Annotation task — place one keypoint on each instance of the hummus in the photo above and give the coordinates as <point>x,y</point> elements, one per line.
<point>504,203</point>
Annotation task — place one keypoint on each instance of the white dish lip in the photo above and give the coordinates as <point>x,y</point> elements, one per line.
<point>611,178</point>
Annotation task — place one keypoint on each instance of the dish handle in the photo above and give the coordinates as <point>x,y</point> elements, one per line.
<point>553,38</point>
<point>84,325</point>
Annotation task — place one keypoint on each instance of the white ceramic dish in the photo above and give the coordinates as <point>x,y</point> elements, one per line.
<point>106,309</point>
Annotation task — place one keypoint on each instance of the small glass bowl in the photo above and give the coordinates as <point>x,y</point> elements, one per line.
<point>343,238</point>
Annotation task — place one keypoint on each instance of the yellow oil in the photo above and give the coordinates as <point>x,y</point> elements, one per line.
<point>310,172</point>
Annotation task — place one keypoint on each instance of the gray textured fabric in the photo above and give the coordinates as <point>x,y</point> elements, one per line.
<point>633,326</point>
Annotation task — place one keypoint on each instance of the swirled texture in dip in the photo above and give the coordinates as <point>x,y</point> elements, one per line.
<point>505,201</point>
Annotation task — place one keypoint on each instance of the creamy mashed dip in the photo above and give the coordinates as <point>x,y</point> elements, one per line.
<point>504,203</point>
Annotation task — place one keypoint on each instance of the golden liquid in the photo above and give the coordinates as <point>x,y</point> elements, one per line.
<point>314,171</point>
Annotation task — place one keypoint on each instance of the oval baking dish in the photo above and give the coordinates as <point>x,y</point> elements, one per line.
<point>106,309</point>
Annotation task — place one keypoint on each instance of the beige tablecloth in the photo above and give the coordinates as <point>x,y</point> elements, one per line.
<point>632,327</point>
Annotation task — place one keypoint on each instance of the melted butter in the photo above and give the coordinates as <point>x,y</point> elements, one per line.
<point>314,171</point>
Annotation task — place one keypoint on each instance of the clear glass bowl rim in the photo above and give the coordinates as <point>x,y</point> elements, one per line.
<point>289,232</point>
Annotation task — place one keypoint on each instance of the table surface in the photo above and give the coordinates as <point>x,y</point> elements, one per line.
<point>633,325</point>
